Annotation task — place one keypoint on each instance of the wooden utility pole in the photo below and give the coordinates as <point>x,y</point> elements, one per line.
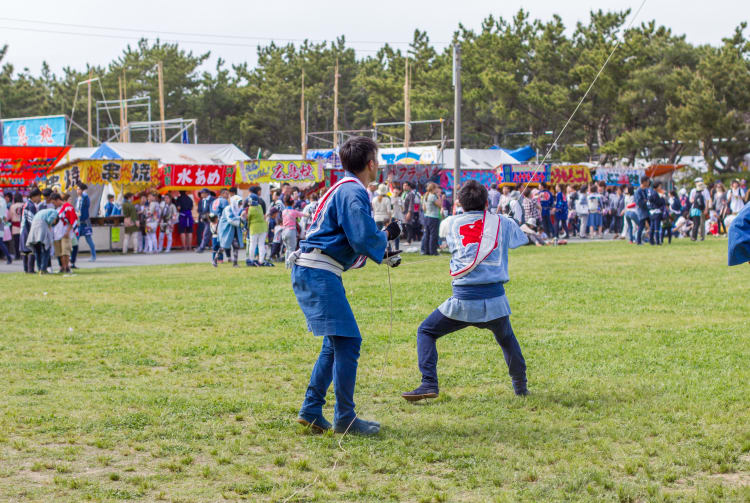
<point>303,125</point>
<point>125,105</point>
<point>457,120</point>
<point>88,108</point>
<point>336,106</point>
<point>407,108</point>
<point>161,103</point>
<point>122,111</point>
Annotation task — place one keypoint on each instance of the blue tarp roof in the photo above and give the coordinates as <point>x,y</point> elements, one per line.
<point>523,154</point>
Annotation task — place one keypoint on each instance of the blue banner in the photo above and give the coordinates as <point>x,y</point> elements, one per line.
<point>34,132</point>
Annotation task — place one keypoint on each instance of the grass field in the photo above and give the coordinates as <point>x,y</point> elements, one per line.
<point>181,383</point>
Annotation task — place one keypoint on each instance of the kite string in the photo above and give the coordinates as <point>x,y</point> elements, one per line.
<point>554,143</point>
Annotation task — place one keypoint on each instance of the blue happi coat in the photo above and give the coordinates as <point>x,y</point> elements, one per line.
<point>739,237</point>
<point>345,231</point>
<point>230,226</point>
<point>479,296</point>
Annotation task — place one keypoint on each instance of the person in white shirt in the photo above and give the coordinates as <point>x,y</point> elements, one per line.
<point>735,202</point>
<point>382,208</point>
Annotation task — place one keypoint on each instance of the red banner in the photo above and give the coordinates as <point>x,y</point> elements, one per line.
<point>574,173</point>
<point>21,166</point>
<point>196,176</point>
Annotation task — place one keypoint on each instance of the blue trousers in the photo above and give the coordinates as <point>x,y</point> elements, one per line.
<point>337,363</point>
<point>437,325</point>
<point>654,232</point>
<point>641,228</point>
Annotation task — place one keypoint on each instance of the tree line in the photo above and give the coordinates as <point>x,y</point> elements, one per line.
<point>659,97</point>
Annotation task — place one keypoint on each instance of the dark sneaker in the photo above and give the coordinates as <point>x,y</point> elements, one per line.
<point>357,427</point>
<point>522,392</point>
<point>317,424</point>
<point>422,392</point>
<point>214,263</point>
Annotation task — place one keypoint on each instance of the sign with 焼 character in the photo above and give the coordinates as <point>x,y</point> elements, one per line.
<point>127,175</point>
<point>531,174</point>
<point>196,176</point>
<point>295,171</point>
<point>570,174</point>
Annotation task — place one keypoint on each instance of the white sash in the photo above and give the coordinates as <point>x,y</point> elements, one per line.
<point>488,242</point>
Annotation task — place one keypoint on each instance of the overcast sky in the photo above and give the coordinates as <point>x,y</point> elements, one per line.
<point>364,22</point>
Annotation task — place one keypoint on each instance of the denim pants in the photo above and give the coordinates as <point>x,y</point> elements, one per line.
<point>654,232</point>
<point>631,219</point>
<point>430,237</point>
<point>547,225</point>
<point>336,363</point>
<point>437,325</point>
<point>641,228</point>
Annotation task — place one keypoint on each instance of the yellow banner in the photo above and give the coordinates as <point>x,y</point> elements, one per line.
<point>124,175</point>
<point>297,171</point>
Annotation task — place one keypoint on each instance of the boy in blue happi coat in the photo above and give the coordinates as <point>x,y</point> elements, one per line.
<point>739,237</point>
<point>342,236</point>
<point>479,243</point>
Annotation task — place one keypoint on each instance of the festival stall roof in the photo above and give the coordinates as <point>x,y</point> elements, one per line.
<point>478,158</point>
<point>173,153</point>
<point>522,154</point>
<point>76,153</point>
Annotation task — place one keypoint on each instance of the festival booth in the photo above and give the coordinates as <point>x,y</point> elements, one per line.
<point>23,166</point>
<point>296,172</point>
<point>104,176</point>
<point>116,168</point>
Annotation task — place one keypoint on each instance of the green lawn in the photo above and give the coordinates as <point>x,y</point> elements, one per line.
<point>182,383</point>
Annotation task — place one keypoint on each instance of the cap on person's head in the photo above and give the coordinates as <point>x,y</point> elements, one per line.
<point>531,222</point>
<point>382,189</point>
<point>683,191</point>
<point>205,191</point>
<point>373,184</point>
<point>698,180</point>
<point>254,199</point>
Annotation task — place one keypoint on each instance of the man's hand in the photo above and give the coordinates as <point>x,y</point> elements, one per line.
<point>392,258</point>
<point>393,230</point>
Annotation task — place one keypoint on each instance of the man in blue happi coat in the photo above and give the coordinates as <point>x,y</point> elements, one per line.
<point>342,236</point>
<point>739,237</point>
<point>479,241</point>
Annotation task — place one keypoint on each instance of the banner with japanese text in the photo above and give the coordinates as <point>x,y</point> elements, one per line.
<point>196,176</point>
<point>413,173</point>
<point>613,177</point>
<point>34,131</point>
<point>124,175</point>
<point>524,173</point>
<point>296,171</point>
<point>22,166</point>
<point>570,174</point>
<point>484,176</point>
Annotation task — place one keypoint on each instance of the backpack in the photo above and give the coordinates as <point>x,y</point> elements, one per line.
<point>699,202</point>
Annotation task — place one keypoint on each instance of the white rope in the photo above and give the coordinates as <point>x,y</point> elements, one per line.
<point>554,143</point>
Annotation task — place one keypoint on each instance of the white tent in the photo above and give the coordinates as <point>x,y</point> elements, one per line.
<point>172,153</point>
<point>478,158</point>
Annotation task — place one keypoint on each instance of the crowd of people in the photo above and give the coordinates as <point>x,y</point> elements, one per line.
<point>40,225</point>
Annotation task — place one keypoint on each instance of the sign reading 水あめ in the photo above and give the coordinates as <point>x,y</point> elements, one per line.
<point>196,176</point>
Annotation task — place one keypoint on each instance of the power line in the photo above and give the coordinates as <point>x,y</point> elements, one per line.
<point>189,34</point>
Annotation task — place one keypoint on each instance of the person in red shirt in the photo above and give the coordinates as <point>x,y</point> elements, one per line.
<point>64,235</point>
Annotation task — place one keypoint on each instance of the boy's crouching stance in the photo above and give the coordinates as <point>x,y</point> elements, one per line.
<point>479,242</point>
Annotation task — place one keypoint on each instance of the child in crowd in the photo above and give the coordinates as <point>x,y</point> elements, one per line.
<point>289,221</point>
<point>152,223</point>
<point>213,223</point>
<point>167,221</point>
<point>277,234</point>
<point>594,200</point>
<point>479,243</point>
